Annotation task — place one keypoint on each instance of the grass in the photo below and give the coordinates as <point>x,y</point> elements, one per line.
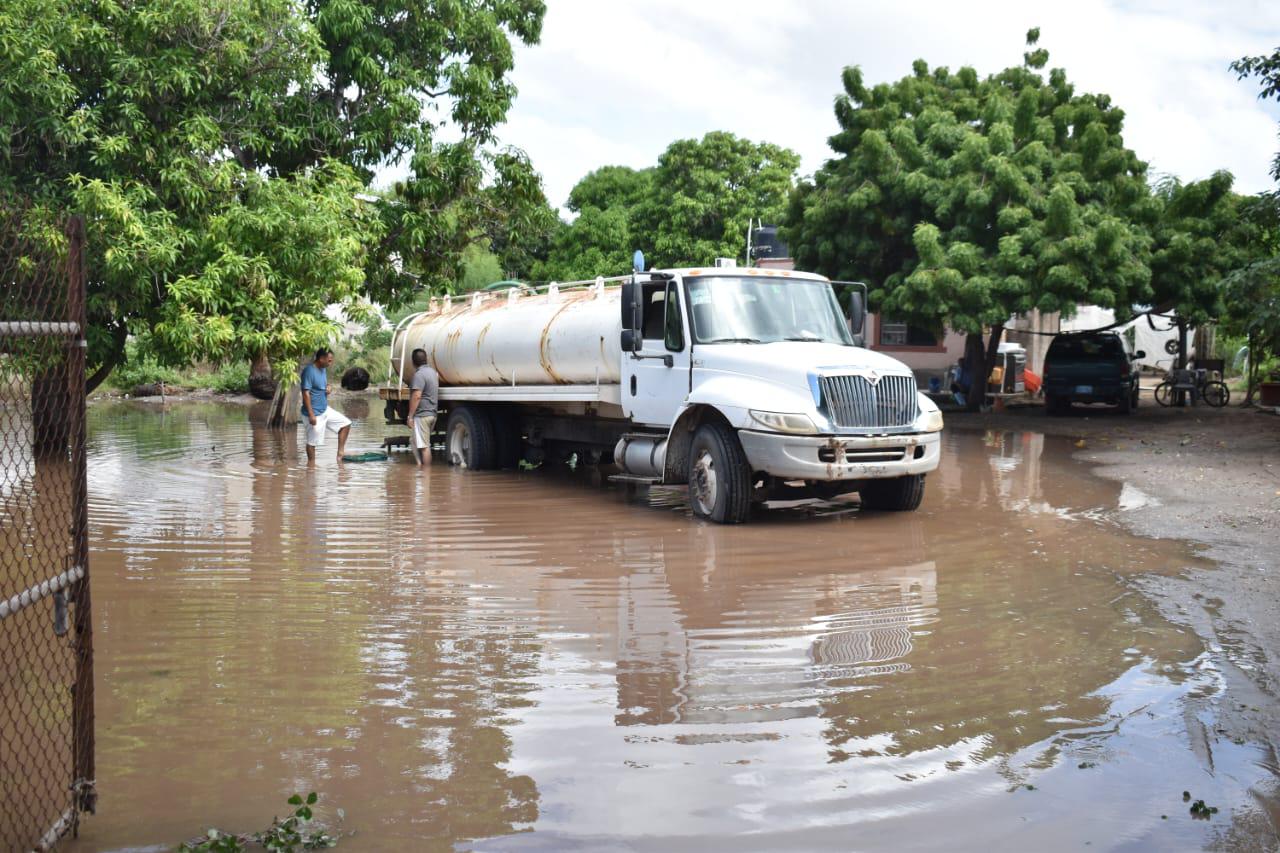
<point>141,369</point>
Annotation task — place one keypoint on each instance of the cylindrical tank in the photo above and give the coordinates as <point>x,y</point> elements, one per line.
<point>517,337</point>
<point>641,455</point>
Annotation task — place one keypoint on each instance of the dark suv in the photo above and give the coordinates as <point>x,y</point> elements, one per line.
<point>1089,367</point>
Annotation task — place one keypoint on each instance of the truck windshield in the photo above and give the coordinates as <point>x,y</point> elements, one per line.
<point>758,310</point>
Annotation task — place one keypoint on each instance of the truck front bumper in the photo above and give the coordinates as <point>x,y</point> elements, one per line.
<point>840,457</point>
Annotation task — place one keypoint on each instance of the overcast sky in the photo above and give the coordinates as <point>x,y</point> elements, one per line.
<point>615,81</point>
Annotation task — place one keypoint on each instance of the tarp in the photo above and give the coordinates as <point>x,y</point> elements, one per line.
<point>1138,334</point>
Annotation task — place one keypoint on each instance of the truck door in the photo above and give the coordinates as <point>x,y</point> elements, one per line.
<point>655,383</point>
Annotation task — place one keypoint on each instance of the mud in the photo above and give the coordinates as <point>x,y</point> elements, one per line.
<point>539,661</point>
<point>1212,478</point>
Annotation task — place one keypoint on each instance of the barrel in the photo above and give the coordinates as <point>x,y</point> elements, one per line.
<point>516,337</point>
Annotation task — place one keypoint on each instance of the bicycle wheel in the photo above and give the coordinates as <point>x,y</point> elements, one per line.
<point>1216,394</point>
<point>1164,393</point>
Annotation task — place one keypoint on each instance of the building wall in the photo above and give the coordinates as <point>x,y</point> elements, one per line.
<point>925,362</point>
<point>1034,331</point>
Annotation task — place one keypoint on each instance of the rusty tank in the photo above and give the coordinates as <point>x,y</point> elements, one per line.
<point>554,336</point>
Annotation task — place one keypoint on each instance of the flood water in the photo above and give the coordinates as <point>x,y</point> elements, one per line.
<point>537,661</point>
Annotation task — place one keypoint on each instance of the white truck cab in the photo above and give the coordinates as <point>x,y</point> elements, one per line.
<point>746,384</point>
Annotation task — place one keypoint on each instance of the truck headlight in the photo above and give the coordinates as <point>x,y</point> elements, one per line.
<point>784,422</point>
<point>930,417</point>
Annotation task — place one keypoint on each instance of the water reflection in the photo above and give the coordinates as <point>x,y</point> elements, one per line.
<point>532,660</point>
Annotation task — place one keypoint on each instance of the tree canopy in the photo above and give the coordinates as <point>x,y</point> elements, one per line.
<point>705,194</point>
<point>962,200</point>
<point>1200,235</point>
<point>600,240</point>
<point>693,206</point>
<point>1252,292</point>
<point>217,150</point>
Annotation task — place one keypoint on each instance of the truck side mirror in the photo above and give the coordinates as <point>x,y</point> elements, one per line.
<point>627,302</point>
<point>630,302</point>
<point>1140,354</point>
<point>857,313</point>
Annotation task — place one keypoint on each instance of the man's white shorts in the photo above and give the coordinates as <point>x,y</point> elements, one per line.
<point>422,425</point>
<point>330,419</point>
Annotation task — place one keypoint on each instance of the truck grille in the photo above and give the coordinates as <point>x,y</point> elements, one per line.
<point>853,402</point>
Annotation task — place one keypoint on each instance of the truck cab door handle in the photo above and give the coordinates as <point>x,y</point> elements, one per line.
<point>667,358</point>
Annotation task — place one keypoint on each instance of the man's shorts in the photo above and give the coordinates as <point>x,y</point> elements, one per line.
<point>330,419</point>
<point>422,426</point>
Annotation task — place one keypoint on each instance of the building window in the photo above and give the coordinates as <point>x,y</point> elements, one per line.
<point>893,334</point>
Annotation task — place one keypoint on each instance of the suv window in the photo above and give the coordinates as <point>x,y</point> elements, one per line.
<point>1100,347</point>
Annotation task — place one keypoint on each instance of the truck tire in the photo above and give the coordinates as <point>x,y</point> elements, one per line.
<point>1126,404</point>
<point>899,494</point>
<point>719,476</point>
<point>1053,406</point>
<point>469,439</point>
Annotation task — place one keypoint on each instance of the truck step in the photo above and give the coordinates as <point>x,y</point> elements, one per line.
<point>632,478</point>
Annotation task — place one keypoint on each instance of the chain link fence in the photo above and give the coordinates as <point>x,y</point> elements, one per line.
<point>46,650</point>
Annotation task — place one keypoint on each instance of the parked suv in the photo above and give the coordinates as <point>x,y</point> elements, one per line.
<point>1089,367</point>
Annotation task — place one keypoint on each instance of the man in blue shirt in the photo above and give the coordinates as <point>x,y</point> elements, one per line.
<point>320,417</point>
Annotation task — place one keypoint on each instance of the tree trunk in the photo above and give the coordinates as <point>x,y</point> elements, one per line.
<point>1250,373</point>
<point>980,359</point>
<point>1205,341</point>
<point>1180,362</point>
<point>286,407</point>
<point>118,337</point>
<point>262,384</point>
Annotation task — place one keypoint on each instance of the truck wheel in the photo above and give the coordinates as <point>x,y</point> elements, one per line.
<point>1052,405</point>
<point>900,494</point>
<point>719,476</point>
<point>469,439</point>
<point>1126,404</point>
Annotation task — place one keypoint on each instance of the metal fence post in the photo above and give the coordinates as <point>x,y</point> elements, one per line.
<point>82,708</point>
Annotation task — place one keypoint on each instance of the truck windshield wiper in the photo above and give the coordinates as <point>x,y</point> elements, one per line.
<point>804,337</point>
<point>733,341</point>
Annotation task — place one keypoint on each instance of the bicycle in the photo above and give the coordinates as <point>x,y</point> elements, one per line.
<point>1199,383</point>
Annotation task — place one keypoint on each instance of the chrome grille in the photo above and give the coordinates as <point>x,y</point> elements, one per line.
<point>854,402</point>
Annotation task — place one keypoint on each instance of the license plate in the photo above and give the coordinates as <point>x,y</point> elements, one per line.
<point>1084,389</point>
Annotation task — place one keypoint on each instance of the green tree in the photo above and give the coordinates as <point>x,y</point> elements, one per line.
<point>1203,231</point>
<point>217,148</point>
<point>1252,292</point>
<point>963,200</point>
<point>1199,236</point>
<point>694,206</point>
<point>609,187</point>
<point>705,194</point>
<point>480,268</point>
<point>1266,68</point>
<point>600,240</point>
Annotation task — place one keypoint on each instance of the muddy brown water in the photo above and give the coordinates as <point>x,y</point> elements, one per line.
<point>536,660</point>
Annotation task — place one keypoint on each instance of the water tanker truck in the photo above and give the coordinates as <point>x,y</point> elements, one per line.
<point>744,384</point>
